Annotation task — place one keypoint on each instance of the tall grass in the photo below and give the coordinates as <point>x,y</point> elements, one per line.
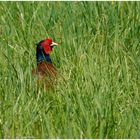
<point>99,60</point>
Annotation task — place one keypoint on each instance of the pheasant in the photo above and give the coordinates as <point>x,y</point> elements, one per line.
<point>45,71</point>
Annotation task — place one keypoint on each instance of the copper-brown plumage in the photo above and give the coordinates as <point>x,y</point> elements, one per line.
<point>45,69</point>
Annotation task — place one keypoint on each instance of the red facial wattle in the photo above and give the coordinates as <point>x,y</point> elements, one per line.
<point>46,44</point>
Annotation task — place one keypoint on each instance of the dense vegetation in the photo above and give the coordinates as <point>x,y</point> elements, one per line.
<point>99,60</point>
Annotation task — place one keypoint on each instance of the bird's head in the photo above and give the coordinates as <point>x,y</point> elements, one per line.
<point>43,50</point>
<point>47,45</point>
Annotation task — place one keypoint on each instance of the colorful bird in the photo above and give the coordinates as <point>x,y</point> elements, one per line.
<point>45,69</point>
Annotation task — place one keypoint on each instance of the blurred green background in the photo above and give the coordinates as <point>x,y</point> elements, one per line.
<point>99,60</point>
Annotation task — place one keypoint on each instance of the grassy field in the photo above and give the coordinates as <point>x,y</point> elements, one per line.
<point>99,60</point>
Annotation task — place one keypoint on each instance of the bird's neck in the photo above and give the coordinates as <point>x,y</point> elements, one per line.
<point>41,56</point>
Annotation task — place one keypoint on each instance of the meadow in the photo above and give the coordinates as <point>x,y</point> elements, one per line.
<point>99,58</point>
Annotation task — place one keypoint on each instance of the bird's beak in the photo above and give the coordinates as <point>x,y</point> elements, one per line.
<point>54,44</point>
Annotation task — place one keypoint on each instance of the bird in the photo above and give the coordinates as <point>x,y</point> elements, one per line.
<point>45,70</point>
